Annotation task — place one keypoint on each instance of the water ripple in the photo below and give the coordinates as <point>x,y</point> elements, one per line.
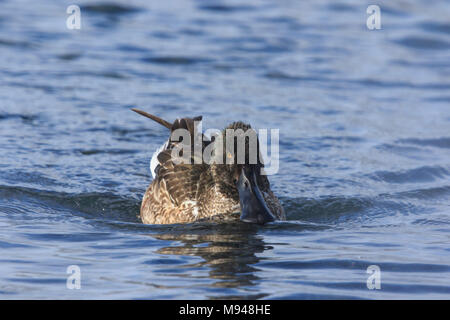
<point>364,147</point>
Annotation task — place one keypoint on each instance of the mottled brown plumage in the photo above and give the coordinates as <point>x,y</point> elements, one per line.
<point>183,193</point>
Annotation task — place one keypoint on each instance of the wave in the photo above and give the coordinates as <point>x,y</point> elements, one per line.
<point>443,142</point>
<point>107,206</point>
<point>109,9</point>
<point>175,60</point>
<point>416,175</point>
<point>423,43</point>
<point>303,213</point>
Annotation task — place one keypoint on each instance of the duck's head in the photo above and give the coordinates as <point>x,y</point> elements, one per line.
<point>239,174</point>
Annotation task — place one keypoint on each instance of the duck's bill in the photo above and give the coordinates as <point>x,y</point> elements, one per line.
<point>253,206</point>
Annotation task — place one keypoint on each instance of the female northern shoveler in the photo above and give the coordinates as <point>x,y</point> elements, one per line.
<point>181,192</point>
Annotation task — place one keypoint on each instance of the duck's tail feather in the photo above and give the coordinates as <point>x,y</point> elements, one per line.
<point>162,122</point>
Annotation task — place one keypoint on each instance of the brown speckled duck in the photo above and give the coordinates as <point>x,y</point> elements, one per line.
<point>183,193</point>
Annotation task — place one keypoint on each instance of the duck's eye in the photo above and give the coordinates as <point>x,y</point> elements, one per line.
<point>246,184</point>
<point>235,180</point>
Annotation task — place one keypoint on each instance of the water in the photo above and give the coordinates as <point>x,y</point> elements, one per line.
<point>364,157</point>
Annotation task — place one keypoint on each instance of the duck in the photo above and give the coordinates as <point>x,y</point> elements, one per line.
<point>219,191</point>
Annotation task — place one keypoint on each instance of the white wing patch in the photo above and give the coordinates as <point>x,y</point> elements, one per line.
<point>193,204</point>
<point>195,212</point>
<point>154,161</point>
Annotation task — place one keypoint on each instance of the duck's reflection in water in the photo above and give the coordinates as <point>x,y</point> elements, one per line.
<point>228,249</point>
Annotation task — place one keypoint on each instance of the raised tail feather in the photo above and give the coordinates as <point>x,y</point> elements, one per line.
<point>162,122</point>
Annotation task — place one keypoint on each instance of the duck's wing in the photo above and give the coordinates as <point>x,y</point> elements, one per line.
<point>183,181</point>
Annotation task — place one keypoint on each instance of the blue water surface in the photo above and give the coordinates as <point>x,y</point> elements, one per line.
<point>364,119</point>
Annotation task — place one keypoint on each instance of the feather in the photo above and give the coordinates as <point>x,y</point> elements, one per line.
<point>154,161</point>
